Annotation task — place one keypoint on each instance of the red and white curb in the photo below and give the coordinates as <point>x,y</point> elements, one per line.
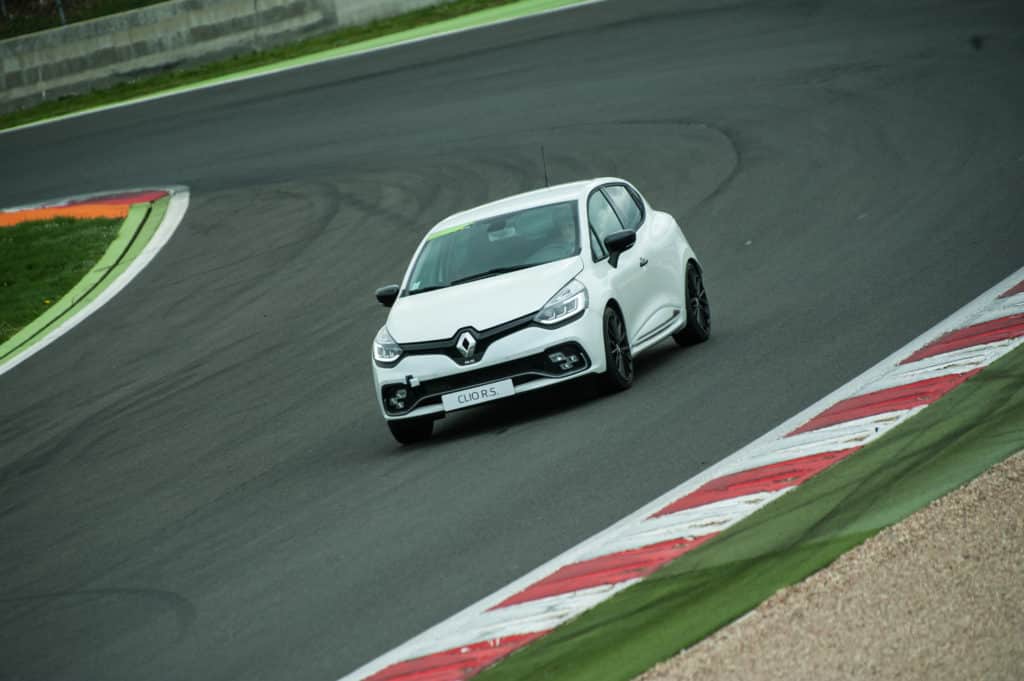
<point>123,197</point>
<point>835,427</point>
<point>175,213</point>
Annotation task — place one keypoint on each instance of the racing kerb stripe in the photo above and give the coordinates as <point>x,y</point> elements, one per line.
<point>836,427</point>
<point>114,206</point>
<point>1019,288</point>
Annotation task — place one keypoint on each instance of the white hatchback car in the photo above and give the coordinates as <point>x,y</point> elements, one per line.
<point>529,291</point>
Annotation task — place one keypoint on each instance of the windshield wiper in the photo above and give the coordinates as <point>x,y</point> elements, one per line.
<point>472,277</point>
<point>491,273</point>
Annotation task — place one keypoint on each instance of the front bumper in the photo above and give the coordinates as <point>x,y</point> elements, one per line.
<point>523,356</point>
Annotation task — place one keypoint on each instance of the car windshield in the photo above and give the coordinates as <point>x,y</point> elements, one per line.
<point>496,245</point>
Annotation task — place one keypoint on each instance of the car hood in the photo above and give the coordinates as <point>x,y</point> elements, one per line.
<point>481,304</point>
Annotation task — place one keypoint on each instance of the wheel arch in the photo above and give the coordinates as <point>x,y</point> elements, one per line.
<point>614,304</point>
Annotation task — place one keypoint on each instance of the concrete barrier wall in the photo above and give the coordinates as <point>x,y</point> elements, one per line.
<point>175,34</point>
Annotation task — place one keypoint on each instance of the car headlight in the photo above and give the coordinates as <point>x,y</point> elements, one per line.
<point>385,349</point>
<point>569,302</point>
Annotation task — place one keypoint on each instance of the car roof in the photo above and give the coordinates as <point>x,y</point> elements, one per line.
<point>571,191</point>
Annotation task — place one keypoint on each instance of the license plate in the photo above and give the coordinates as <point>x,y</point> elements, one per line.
<point>478,395</point>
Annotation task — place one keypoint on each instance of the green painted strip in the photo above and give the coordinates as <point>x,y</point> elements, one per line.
<point>156,217</point>
<point>953,441</point>
<point>512,10</point>
<point>135,232</point>
<point>446,231</point>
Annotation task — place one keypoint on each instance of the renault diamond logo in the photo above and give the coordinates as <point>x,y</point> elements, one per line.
<point>466,345</point>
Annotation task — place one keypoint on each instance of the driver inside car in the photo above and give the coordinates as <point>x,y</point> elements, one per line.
<point>561,241</point>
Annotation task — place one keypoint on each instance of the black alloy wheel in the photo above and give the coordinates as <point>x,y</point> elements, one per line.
<point>619,358</point>
<point>411,431</point>
<point>698,310</point>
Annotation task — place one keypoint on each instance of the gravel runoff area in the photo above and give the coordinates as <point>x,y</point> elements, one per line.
<point>939,595</point>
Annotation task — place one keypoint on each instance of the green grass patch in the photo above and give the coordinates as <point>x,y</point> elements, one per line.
<point>177,78</point>
<point>41,261</point>
<point>956,439</point>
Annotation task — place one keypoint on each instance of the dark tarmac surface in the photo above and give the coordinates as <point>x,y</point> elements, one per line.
<point>196,482</point>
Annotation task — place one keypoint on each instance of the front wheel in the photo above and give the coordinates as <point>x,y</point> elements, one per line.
<point>698,310</point>
<point>411,431</point>
<point>618,357</point>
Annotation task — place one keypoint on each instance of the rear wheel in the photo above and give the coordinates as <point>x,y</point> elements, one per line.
<point>698,310</point>
<point>618,374</point>
<point>411,431</point>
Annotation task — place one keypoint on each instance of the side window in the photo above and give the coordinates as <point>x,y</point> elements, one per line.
<point>602,217</point>
<point>625,205</point>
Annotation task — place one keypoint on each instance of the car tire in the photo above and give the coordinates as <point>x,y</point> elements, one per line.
<point>411,431</point>
<point>619,370</point>
<point>698,310</point>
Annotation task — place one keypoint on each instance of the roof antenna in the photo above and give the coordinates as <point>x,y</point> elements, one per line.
<point>544,161</point>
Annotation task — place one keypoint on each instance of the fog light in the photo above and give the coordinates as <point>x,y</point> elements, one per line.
<point>565,361</point>
<point>397,400</point>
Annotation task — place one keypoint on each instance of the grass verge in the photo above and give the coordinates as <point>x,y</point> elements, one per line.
<point>41,261</point>
<point>133,235</point>
<point>953,441</point>
<point>401,27</point>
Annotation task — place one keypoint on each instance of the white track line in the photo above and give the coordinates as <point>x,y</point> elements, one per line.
<point>176,208</point>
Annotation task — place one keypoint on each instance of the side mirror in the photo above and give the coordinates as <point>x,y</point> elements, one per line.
<point>387,295</point>
<point>617,243</point>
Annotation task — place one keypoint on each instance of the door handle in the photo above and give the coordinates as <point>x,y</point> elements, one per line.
<point>643,261</point>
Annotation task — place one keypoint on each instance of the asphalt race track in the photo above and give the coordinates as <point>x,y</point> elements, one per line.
<point>196,483</point>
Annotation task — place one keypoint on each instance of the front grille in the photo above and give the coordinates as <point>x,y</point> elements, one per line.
<point>483,339</point>
<point>521,371</point>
